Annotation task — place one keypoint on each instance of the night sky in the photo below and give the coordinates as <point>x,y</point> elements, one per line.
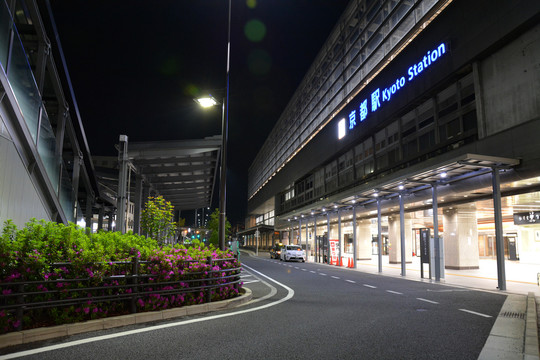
<point>137,65</point>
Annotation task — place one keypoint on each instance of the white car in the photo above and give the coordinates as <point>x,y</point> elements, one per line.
<point>292,252</point>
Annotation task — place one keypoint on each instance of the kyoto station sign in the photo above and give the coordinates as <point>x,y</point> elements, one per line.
<point>380,96</point>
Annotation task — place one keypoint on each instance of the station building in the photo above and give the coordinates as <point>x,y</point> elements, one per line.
<point>413,133</point>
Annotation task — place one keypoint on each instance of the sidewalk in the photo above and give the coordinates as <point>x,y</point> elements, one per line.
<point>520,278</point>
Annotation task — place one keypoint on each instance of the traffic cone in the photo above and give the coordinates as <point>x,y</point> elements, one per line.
<point>351,260</point>
<point>340,261</point>
<point>349,264</point>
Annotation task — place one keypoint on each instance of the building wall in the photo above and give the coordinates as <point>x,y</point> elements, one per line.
<point>516,66</point>
<point>19,199</point>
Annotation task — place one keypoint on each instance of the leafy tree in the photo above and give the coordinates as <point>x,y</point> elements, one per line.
<point>157,218</point>
<point>213,226</point>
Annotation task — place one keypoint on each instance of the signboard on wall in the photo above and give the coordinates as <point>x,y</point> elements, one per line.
<point>527,218</point>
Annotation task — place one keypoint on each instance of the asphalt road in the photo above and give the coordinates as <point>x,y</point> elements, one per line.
<point>306,311</point>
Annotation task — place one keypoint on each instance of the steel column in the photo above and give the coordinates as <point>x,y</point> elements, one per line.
<point>354,235</point>
<point>122,180</point>
<point>316,241</point>
<point>327,236</point>
<point>438,247</point>
<point>379,235</point>
<point>339,236</point>
<point>402,235</point>
<point>307,240</point>
<point>499,240</point>
<point>137,202</point>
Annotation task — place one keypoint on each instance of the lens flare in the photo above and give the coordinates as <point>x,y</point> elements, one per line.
<point>255,30</point>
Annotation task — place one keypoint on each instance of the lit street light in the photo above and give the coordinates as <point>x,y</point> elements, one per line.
<point>209,101</point>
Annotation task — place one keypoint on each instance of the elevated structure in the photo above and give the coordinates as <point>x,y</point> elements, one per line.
<point>46,169</point>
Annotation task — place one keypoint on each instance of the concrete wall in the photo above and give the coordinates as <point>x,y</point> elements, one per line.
<point>394,238</point>
<point>19,200</point>
<point>529,244</point>
<point>510,83</point>
<point>460,238</point>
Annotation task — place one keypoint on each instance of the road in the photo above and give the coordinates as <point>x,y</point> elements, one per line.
<point>305,311</point>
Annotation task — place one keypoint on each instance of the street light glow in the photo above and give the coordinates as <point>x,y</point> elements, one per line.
<point>207,101</point>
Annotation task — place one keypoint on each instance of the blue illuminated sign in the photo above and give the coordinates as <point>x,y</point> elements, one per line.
<point>380,96</point>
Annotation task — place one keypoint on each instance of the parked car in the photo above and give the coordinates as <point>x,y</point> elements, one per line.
<point>292,252</point>
<point>275,251</point>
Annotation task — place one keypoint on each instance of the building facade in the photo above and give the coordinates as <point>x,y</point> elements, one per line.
<point>417,117</point>
<point>46,169</point>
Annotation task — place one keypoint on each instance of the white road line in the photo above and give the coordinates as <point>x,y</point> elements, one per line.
<point>296,267</point>
<point>334,277</point>
<point>290,294</point>
<point>370,286</point>
<point>311,271</point>
<point>394,292</point>
<point>475,313</point>
<point>426,300</point>
<point>252,281</point>
<point>323,274</point>
<point>352,282</point>
<point>304,270</point>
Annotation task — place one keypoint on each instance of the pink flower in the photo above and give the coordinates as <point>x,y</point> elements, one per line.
<point>86,310</point>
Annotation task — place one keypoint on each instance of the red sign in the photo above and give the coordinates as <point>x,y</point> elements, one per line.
<point>334,250</point>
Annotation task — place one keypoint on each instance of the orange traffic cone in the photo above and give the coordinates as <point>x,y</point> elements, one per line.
<point>340,261</point>
<point>351,262</point>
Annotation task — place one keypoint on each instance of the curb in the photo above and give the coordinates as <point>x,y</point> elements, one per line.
<point>46,333</point>
<point>515,332</point>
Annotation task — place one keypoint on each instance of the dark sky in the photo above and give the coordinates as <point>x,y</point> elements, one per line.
<point>137,65</point>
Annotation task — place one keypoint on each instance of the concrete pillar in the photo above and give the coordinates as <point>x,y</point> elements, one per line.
<point>363,237</point>
<point>394,239</point>
<point>460,238</point>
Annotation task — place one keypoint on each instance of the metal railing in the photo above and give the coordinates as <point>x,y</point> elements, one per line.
<point>126,286</point>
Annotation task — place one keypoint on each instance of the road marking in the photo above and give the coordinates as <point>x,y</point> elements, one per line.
<point>296,267</point>
<point>311,271</point>
<point>352,282</point>
<point>334,277</point>
<point>304,270</point>
<point>323,274</point>
<point>290,294</point>
<point>394,292</point>
<point>426,300</point>
<point>250,282</point>
<point>370,286</point>
<point>475,313</point>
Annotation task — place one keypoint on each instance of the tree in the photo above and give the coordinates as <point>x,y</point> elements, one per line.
<point>157,219</point>
<point>213,226</point>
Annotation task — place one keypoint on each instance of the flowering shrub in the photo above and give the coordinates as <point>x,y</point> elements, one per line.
<point>91,274</point>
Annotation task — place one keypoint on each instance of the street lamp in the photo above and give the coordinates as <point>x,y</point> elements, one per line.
<point>210,101</point>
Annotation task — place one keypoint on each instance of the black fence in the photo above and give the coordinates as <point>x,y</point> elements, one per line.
<point>123,285</point>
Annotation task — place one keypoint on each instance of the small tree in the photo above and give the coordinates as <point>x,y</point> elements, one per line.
<point>157,219</point>
<point>213,226</point>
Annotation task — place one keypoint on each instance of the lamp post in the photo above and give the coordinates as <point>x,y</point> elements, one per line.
<point>210,101</point>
